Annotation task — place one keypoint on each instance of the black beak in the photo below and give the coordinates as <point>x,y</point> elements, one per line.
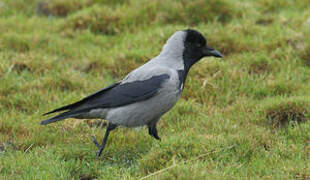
<point>208,51</point>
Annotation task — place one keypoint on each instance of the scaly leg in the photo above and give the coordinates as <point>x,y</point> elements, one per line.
<point>110,127</point>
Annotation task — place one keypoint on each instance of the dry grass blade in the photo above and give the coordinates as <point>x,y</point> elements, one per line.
<point>26,150</point>
<point>175,165</point>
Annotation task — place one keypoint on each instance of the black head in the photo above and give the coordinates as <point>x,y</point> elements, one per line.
<point>196,48</point>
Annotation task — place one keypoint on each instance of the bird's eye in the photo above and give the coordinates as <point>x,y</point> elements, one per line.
<point>199,45</point>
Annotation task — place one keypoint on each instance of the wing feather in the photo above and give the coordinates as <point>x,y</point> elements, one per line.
<point>115,95</point>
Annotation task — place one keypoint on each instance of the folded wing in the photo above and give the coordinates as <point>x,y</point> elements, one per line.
<point>118,94</point>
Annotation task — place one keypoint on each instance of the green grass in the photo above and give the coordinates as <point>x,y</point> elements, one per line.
<point>244,116</point>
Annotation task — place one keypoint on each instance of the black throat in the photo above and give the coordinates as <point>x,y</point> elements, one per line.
<point>188,62</point>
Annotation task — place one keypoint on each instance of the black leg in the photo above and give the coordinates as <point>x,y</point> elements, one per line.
<point>153,132</point>
<point>110,127</point>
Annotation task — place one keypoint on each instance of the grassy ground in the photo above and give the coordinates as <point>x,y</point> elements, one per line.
<point>246,115</point>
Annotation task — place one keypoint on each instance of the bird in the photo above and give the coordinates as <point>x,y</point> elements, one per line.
<point>146,93</point>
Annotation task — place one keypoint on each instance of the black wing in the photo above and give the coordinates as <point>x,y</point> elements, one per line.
<point>84,100</point>
<point>113,96</point>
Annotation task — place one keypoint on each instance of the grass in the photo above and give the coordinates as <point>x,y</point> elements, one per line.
<point>245,116</point>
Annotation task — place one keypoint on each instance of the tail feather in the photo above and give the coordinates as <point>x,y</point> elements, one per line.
<point>60,117</point>
<point>85,100</point>
<point>59,109</point>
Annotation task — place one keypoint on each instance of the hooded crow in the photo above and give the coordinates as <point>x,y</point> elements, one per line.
<point>146,93</point>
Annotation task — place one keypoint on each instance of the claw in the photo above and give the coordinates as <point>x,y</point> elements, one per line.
<point>95,141</point>
<point>157,137</point>
<point>100,147</point>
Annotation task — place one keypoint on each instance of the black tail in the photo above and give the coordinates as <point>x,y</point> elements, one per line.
<point>84,100</point>
<point>59,109</point>
<point>60,117</point>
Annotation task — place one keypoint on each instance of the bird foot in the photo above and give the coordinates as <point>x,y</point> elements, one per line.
<point>156,137</point>
<point>153,133</point>
<point>100,148</point>
<point>95,141</point>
